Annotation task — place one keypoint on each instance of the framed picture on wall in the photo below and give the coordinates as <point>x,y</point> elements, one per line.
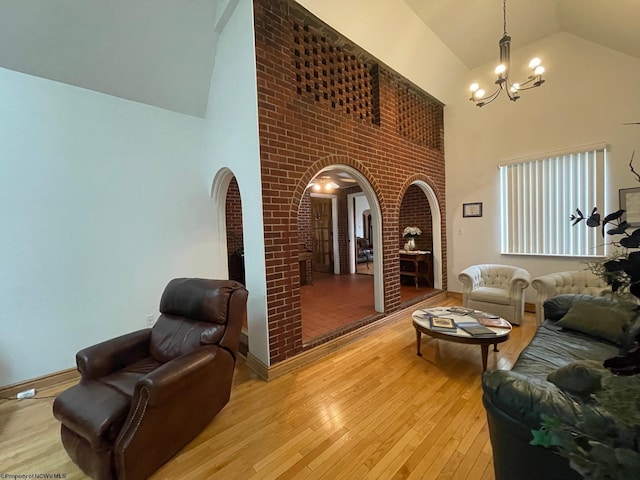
<point>472,209</point>
<point>630,201</point>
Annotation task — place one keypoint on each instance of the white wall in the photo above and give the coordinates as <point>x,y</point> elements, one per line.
<point>102,202</point>
<point>231,138</point>
<point>590,92</point>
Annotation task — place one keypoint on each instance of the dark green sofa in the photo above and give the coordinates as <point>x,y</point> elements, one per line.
<point>515,399</point>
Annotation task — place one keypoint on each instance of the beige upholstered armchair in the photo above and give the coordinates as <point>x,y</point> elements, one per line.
<point>497,289</point>
<point>573,281</point>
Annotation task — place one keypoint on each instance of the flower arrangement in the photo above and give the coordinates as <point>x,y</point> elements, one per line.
<point>412,232</point>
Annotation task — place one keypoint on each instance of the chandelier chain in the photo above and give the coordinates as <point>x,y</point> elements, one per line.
<point>504,16</point>
<point>503,82</point>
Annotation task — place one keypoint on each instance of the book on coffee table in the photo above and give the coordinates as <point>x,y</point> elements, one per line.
<point>494,322</point>
<point>476,330</point>
<point>443,323</point>
<point>477,314</point>
<point>461,310</point>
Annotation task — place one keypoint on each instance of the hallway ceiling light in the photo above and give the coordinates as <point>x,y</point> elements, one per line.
<point>323,184</point>
<point>502,71</point>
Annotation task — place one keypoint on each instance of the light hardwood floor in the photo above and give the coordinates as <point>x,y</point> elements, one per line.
<point>370,411</point>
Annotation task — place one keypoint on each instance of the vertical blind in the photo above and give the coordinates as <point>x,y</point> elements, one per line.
<point>537,197</point>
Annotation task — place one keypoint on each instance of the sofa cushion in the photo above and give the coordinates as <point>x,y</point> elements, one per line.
<point>557,306</point>
<point>582,377</point>
<point>491,295</point>
<point>552,348</point>
<point>601,318</point>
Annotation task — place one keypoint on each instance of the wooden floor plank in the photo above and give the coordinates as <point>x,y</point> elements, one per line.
<point>371,410</point>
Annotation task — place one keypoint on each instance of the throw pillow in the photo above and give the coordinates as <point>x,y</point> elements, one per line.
<point>600,317</point>
<point>557,306</point>
<point>582,377</point>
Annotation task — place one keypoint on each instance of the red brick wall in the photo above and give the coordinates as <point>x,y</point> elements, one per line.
<point>305,234</point>
<point>323,101</point>
<point>305,231</point>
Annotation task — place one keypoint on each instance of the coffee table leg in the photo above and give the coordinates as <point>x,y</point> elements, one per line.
<point>495,347</point>
<point>418,335</point>
<point>485,354</point>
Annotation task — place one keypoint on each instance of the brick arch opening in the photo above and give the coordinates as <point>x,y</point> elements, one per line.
<point>235,235</point>
<point>367,186</point>
<point>423,184</point>
<point>226,195</point>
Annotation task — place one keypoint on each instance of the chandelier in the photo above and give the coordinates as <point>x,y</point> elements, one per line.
<point>502,71</point>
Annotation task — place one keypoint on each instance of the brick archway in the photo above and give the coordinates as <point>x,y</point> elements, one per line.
<point>437,223</point>
<point>368,185</point>
<point>257,328</point>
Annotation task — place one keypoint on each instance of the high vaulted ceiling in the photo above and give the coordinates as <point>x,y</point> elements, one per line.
<point>158,52</point>
<point>161,52</point>
<point>471,28</point>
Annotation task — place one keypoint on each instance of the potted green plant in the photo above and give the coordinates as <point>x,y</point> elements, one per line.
<point>596,447</point>
<point>621,270</point>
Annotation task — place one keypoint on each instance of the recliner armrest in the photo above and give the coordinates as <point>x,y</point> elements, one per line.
<point>106,357</point>
<point>525,398</point>
<point>175,375</point>
<point>175,403</point>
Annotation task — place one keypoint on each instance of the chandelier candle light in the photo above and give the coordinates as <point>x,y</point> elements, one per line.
<point>502,71</point>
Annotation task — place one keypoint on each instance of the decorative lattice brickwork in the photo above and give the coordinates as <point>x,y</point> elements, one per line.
<point>330,74</point>
<point>419,118</point>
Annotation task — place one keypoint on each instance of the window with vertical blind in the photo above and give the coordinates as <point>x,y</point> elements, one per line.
<point>537,196</point>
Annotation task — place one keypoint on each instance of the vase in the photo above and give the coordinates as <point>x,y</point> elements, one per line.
<point>410,245</point>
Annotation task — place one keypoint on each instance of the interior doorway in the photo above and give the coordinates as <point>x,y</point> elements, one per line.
<point>322,221</point>
<point>235,238</point>
<point>338,301</point>
<point>360,234</point>
<point>415,212</point>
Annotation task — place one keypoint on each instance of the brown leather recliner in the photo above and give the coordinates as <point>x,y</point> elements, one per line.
<point>144,395</point>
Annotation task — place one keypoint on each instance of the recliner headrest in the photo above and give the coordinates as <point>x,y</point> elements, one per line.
<point>198,299</point>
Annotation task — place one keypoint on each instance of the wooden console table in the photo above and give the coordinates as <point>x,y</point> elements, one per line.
<point>416,264</point>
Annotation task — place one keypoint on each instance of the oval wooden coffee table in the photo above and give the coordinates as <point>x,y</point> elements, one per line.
<point>422,324</point>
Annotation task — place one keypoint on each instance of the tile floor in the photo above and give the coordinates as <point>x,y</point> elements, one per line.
<point>335,304</point>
